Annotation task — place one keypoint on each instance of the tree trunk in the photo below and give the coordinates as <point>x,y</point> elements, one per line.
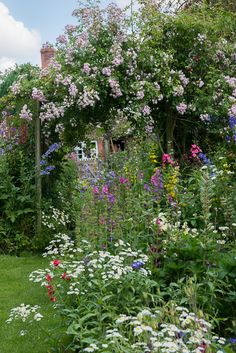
<point>170,127</point>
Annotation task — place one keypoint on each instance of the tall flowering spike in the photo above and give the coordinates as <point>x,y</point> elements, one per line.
<point>157,180</point>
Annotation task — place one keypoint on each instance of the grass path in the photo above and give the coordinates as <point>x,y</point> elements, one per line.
<point>15,289</point>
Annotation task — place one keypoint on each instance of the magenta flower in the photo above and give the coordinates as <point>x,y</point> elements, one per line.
<point>195,149</point>
<point>156,180</point>
<point>123,180</point>
<point>105,190</point>
<point>167,159</point>
<point>95,190</point>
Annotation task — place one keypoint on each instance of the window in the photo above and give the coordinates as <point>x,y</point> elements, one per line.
<point>87,151</point>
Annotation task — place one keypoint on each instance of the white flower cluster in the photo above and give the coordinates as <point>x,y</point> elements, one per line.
<point>24,313</point>
<point>55,217</point>
<point>188,334</point>
<point>61,246</point>
<point>83,268</point>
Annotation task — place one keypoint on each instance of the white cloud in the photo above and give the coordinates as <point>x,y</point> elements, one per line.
<point>18,44</point>
<point>6,63</point>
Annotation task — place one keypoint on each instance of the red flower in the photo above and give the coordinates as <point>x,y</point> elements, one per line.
<point>203,347</point>
<point>48,278</point>
<point>50,292</point>
<point>56,262</point>
<point>65,276</point>
<point>53,299</point>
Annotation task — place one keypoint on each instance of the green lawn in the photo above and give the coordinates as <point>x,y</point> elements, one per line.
<point>15,289</point>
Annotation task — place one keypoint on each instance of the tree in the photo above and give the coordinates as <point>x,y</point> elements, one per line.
<point>10,76</point>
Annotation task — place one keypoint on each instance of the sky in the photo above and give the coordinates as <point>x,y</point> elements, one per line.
<point>26,24</point>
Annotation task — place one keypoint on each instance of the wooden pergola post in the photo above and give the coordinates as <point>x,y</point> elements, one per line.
<point>38,180</point>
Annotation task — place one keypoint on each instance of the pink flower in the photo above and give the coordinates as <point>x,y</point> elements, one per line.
<point>38,95</point>
<point>181,108</point>
<point>123,180</point>
<point>73,156</point>
<point>115,88</point>
<point>146,110</point>
<point>25,113</point>
<point>105,189</point>
<point>166,159</point>
<point>106,71</point>
<point>86,68</point>
<point>56,262</point>
<point>61,39</point>
<point>195,150</point>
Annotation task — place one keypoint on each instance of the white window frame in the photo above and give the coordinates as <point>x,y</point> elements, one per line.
<point>80,151</point>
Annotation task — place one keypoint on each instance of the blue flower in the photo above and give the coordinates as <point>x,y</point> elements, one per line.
<point>43,162</point>
<point>204,158</point>
<point>50,150</point>
<point>232,340</point>
<point>137,264</point>
<point>112,174</point>
<point>232,122</point>
<point>44,172</point>
<point>49,168</point>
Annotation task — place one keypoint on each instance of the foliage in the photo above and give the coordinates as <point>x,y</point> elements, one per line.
<point>9,77</point>
<point>154,223</point>
<point>16,202</point>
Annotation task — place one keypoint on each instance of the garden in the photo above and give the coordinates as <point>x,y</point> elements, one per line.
<point>138,252</point>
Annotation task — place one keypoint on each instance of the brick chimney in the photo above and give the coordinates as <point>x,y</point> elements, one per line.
<point>46,56</point>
